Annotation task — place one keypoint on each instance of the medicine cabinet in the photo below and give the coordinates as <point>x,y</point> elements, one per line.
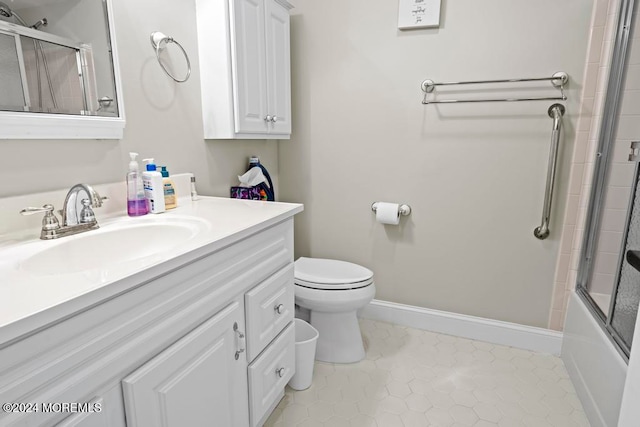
<point>59,74</point>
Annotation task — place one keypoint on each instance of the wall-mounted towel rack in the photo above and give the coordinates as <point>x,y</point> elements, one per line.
<point>558,80</point>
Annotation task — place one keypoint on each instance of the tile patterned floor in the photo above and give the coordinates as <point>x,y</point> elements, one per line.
<point>417,378</point>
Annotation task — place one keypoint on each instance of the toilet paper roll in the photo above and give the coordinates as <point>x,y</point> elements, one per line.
<point>388,213</point>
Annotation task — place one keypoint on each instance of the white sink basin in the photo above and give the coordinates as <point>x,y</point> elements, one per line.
<point>113,244</point>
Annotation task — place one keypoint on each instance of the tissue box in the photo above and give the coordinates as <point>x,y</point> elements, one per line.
<point>249,193</point>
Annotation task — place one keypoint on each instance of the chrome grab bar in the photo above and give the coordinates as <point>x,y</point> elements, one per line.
<point>556,111</point>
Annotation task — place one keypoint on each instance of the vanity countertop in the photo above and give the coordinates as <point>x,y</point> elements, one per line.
<point>31,299</point>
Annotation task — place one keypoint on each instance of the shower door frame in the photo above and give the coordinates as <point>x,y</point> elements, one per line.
<point>608,131</point>
<point>23,71</point>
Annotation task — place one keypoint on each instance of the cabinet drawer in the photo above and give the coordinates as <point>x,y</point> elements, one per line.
<point>269,308</point>
<point>270,373</point>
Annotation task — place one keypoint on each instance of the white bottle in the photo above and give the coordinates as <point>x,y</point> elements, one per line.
<point>153,187</point>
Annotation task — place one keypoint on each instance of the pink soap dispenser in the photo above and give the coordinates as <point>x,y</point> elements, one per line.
<point>136,201</point>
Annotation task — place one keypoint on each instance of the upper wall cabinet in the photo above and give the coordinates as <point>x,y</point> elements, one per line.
<point>59,75</point>
<point>245,68</point>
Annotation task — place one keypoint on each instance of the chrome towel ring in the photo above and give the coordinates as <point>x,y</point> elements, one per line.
<point>159,41</point>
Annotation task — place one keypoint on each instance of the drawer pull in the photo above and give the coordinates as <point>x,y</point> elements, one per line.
<point>241,342</point>
<point>280,372</point>
<point>279,308</point>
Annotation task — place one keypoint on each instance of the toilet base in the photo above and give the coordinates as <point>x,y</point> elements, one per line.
<point>340,340</point>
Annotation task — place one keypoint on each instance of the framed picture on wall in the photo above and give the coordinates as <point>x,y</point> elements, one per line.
<point>418,14</point>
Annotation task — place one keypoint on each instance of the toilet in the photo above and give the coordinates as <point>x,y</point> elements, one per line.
<point>333,291</point>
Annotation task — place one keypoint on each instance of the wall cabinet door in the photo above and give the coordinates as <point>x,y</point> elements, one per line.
<point>278,67</point>
<point>245,69</point>
<point>262,67</point>
<point>195,382</point>
<point>250,70</point>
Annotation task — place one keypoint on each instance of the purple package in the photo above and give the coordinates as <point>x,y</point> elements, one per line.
<point>251,193</point>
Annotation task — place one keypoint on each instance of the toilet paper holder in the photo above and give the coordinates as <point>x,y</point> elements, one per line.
<point>404,210</point>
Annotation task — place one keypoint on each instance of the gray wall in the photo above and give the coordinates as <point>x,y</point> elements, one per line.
<point>163,119</point>
<point>474,174</point>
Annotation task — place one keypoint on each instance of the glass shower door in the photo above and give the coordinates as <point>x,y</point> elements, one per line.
<point>47,74</point>
<point>624,309</point>
<point>606,281</point>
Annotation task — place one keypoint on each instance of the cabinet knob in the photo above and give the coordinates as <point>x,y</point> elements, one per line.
<point>268,118</point>
<point>279,308</point>
<point>274,119</point>
<point>280,372</point>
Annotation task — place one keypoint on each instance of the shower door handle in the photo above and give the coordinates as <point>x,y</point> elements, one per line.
<point>633,258</point>
<point>635,151</point>
<point>556,111</point>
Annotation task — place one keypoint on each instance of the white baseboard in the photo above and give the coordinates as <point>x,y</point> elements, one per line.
<point>477,328</point>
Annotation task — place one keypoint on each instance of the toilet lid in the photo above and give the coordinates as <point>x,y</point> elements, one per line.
<point>321,273</point>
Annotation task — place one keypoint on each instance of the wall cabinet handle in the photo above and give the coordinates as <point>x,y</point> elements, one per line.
<point>274,119</point>
<point>280,372</point>
<point>268,118</point>
<point>279,308</point>
<point>241,344</point>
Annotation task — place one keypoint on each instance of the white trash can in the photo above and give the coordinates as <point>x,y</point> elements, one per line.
<point>306,339</point>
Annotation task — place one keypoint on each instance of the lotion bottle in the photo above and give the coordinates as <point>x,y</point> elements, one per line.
<point>136,200</point>
<point>170,199</point>
<point>152,180</point>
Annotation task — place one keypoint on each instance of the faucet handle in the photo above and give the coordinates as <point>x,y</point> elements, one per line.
<point>86,214</point>
<point>31,210</point>
<point>95,200</point>
<point>50,224</point>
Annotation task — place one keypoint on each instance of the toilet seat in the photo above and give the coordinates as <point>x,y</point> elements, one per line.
<point>331,275</point>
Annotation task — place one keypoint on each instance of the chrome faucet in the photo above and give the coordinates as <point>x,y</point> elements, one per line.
<point>77,213</point>
<point>70,214</point>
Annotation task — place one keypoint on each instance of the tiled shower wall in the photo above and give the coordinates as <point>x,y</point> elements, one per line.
<point>593,94</point>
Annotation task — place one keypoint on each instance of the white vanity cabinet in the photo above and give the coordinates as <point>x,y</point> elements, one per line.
<point>245,71</point>
<point>210,343</point>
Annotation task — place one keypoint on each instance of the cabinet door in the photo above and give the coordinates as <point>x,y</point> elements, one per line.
<point>250,84</point>
<point>196,382</point>
<point>278,67</point>
<point>105,411</point>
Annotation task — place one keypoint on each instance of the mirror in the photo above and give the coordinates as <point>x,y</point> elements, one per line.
<point>57,59</point>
